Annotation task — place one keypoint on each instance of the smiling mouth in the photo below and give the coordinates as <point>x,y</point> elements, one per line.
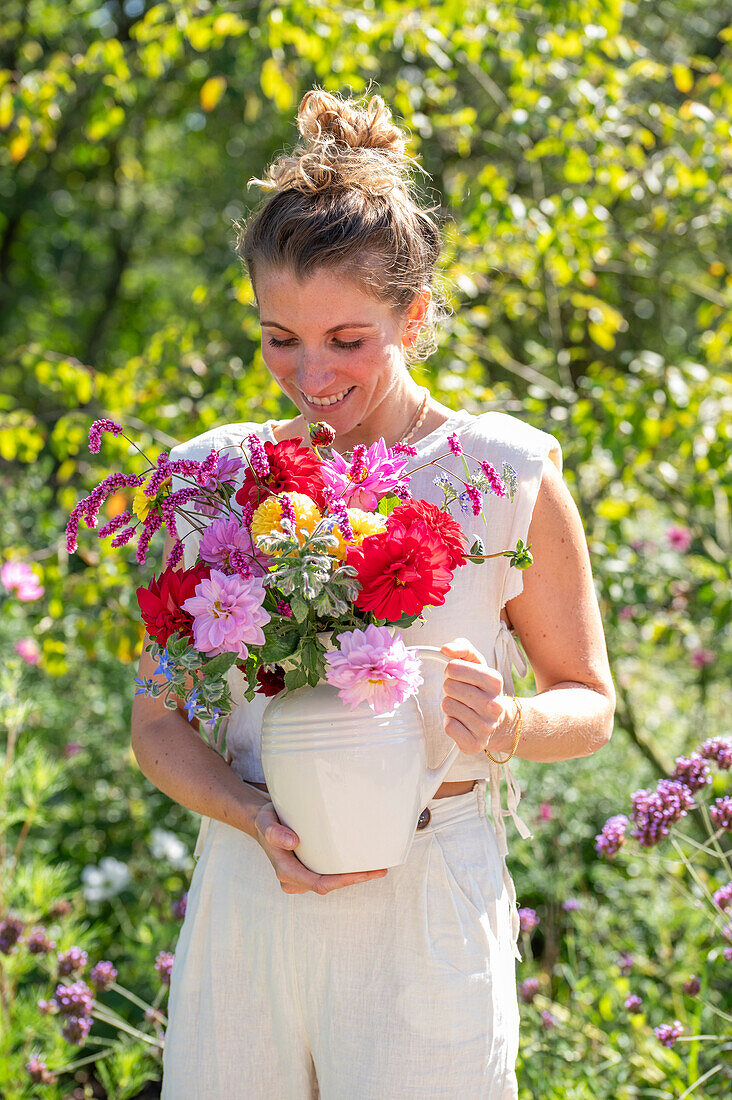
<point>331,399</point>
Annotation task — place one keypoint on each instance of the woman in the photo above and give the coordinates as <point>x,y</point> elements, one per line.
<point>379,984</point>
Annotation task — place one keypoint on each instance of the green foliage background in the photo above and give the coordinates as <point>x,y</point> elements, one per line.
<point>580,153</point>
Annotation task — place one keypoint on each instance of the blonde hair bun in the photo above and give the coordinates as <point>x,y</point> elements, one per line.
<point>346,145</point>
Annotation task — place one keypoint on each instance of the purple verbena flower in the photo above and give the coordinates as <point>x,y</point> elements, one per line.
<point>633,1003</point>
<point>571,904</point>
<point>72,961</point>
<point>692,771</point>
<point>76,1028</point>
<point>97,430</point>
<point>669,1033</point>
<point>164,965</point>
<point>723,896</point>
<point>626,962</point>
<point>10,931</point>
<point>39,1072</point>
<point>178,907</point>
<point>692,986</point>
<point>528,990</point>
<point>719,750</point>
<point>373,667</point>
<point>548,1020</point>
<point>720,812</point>
<point>655,811</point>
<point>611,837</point>
<point>102,975</point>
<point>38,942</point>
<point>75,999</point>
<point>728,954</point>
<point>528,919</point>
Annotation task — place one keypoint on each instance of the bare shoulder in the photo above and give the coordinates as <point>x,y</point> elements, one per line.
<point>557,616</point>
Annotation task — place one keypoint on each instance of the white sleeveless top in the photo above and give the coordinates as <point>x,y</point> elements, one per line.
<point>472,606</point>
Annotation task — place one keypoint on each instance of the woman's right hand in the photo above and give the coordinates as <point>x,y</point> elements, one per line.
<point>278,841</point>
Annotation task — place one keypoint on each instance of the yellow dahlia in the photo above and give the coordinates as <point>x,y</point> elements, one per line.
<point>141,504</point>
<point>267,519</point>
<point>363,524</point>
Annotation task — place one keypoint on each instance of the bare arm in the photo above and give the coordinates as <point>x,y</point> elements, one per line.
<point>557,619</point>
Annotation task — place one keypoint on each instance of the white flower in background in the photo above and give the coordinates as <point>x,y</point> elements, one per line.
<point>168,846</point>
<point>104,880</point>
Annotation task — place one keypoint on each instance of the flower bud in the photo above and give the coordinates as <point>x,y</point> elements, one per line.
<point>321,434</point>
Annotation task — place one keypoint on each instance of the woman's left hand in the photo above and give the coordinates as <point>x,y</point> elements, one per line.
<point>473,701</point>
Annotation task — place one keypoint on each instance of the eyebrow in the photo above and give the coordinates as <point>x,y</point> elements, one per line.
<point>345,324</point>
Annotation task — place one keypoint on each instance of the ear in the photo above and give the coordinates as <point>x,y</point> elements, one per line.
<point>415,316</point>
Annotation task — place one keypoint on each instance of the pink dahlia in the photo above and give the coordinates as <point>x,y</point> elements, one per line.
<point>16,575</point>
<point>227,614</point>
<point>373,667</point>
<point>220,539</point>
<point>378,471</point>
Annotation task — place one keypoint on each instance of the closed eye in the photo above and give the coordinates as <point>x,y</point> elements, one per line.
<point>275,343</point>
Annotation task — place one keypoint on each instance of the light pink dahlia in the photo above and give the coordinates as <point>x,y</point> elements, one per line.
<point>227,614</point>
<point>18,576</point>
<point>220,539</point>
<point>379,471</point>
<point>373,667</point>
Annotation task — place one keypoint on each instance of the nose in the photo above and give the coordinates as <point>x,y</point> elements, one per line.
<point>314,377</point>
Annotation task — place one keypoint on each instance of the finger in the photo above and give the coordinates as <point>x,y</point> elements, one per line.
<point>479,675</point>
<point>463,649</point>
<point>327,883</point>
<point>479,698</point>
<point>481,723</point>
<point>279,836</point>
<point>462,735</point>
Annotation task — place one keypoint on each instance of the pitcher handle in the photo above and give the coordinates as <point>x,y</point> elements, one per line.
<point>433,777</point>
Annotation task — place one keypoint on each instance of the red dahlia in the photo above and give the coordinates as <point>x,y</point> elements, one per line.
<point>442,523</point>
<point>270,681</point>
<point>292,469</point>
<point>160,603</point>
<point>401,570</point>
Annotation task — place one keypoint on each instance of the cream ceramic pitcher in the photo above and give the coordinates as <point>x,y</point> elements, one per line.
<point>350,783</point>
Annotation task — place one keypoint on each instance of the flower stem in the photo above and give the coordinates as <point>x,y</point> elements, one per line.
<point>131,996</point>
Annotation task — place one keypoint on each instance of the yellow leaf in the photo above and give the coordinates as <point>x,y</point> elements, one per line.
<point>211,92</point>
<point>6,108</point>
<point>19,146</point>
<point>613,509</point>
<point>602,337</point>
<point>683,78</point>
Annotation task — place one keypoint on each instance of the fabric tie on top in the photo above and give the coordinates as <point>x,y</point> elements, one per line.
<point>507,653</point>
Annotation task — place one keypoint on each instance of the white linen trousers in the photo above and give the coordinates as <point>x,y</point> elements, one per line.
<point>385,990</point>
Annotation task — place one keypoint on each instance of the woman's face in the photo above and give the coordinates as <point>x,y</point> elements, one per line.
<point>337,352</point>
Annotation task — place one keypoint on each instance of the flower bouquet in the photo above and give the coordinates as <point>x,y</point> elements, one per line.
<point>312,544</point>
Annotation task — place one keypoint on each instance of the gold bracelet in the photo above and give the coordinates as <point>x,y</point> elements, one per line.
<point>516,738</point>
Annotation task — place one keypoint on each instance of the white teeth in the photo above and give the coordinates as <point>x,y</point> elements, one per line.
<point>332,400</point>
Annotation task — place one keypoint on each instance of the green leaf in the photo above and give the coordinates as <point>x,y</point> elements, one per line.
<point>387,504</point>
<point>220,664</point>
<point>283,645</point>
<point>299,608</point>
<point>295,678</point>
